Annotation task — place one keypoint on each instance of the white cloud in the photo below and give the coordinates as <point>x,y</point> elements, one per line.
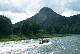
<point>69,13</point>
<point>64,7</point>
<point>19,10</point>
<point>20,5</point>
<point>58,5</point>
<point>17,17</point>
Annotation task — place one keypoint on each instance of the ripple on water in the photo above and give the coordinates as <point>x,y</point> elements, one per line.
<point>62,45</point>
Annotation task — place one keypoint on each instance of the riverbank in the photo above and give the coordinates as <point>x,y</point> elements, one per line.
<point>30,36</point>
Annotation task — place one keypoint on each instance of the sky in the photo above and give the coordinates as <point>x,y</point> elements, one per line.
<point>18,10</point>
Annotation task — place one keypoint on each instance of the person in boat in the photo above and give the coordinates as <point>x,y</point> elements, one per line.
<point>43,41</point>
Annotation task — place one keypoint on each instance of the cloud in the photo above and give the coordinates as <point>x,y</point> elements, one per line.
<point>20,5</point>
<point>18,10</point>
<point>23,9</point>
<point>10,5</point>
<point>69,13</point>
<point>74,5</point>
<point>64,7</point>
<point>58,5</point>
<point>17,17</point>
<point>35,5</point>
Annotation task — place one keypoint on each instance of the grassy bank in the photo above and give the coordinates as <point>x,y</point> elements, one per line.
<point>25,37</point>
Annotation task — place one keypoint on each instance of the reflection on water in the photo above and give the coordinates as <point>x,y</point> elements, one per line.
<point>59,45</point>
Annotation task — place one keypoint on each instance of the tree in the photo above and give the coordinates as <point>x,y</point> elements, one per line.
<point>5,25</point>
<point>35,28</point>
<point>26,28</point>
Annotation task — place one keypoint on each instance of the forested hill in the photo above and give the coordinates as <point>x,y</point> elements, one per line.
<point>46,21</point>
<point>49,21</point>
<point>5,26</point>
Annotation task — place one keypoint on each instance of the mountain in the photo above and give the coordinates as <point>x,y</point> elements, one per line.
<point>43,14</point>
<point>54,22</point>
<point>48,21</point>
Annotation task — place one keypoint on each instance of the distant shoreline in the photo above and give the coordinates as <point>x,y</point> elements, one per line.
<point>26,37</point>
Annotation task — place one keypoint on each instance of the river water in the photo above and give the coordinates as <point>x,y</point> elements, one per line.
<point>57,45</point>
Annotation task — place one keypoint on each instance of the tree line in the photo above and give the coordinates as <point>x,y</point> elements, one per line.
<point>46,21</point>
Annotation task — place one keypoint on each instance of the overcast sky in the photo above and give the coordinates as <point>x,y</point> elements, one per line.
<point>18,10</point>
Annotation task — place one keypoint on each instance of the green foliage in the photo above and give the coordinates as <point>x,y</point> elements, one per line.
<point>35,28</point>
<point>5,25</point>
<point>49,35</point>
<point>30,36</point>
<point>49,22</point>
<point>41,25</point>
<point>26,28</point>
<point>13,38</point>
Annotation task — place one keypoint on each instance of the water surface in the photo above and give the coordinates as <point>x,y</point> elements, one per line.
<point>57,45</point>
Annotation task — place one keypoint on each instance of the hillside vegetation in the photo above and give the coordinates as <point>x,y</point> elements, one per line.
<point>44,23</point>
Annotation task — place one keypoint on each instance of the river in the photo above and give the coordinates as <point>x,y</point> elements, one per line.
<point>57,45</point>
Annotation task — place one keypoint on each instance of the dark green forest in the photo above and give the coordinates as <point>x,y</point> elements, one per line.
<point>45,22</point>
